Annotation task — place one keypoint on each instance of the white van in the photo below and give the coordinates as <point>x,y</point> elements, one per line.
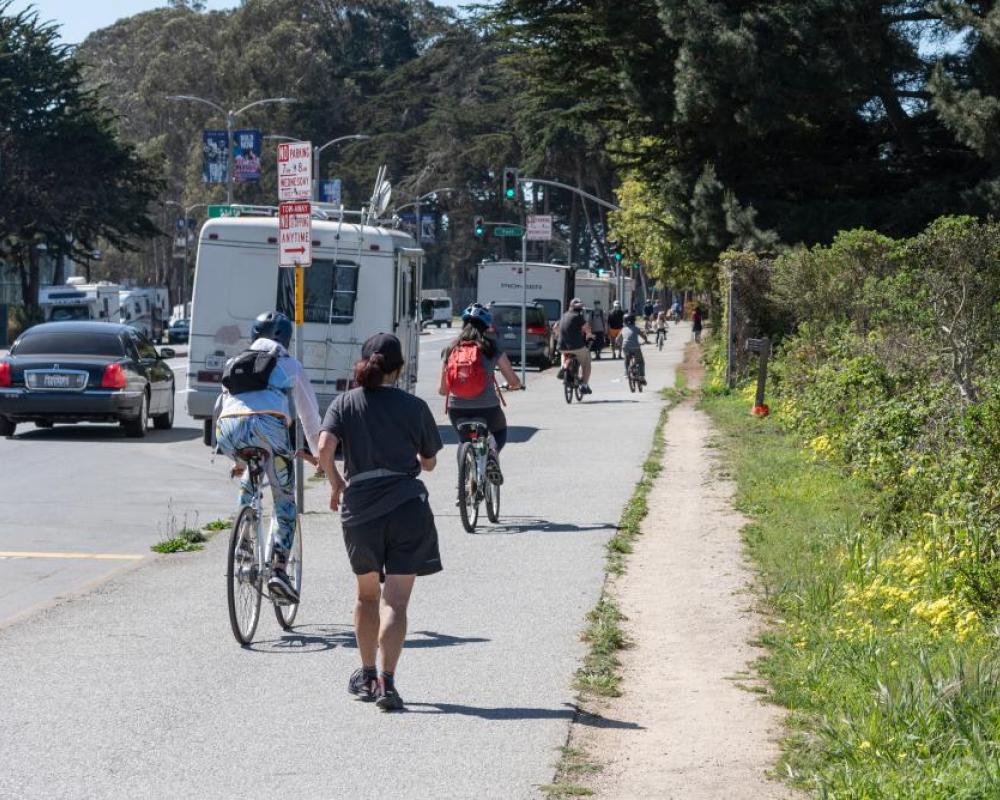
<point>436,308</point>
<point>363,280</point>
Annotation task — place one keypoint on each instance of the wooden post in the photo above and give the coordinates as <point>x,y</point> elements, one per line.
<point>762,347</point>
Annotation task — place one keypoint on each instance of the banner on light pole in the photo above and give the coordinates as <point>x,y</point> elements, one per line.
<point>215,156</point>
<point>246,155</point>
<point>331,191</point>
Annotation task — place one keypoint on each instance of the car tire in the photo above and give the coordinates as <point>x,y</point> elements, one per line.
<point>44,423</point>
<point>165,421</point>
<point>7,427</point>
<point>136,427</point>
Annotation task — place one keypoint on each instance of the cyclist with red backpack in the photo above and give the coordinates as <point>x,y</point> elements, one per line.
<point>468,383</point>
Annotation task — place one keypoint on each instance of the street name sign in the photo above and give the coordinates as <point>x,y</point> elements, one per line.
<point>294,171</point>
<point>539,228</point>
<point>214,212</point>
<point>508,230</point>
<point>295,234</point>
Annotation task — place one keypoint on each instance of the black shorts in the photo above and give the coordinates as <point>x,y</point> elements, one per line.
<point>402,542</point>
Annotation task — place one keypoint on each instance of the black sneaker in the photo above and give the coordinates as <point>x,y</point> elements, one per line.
<point>365,688</point>
<point>389,699</point>
<point>585,389</point>
<point>281,589</point>
<point>493,473</point>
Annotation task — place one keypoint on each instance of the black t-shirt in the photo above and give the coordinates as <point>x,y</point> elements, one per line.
<point>381,429</point>
<point>571,331</point>
<point>616,319</point>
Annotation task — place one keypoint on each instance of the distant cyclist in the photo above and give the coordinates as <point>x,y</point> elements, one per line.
<point>573,334</point>
<point>616,321</point>
<point>631,347</point>
<point>660,325</point>
<point>468,383</point>
<point>598,326</point>
<point>253,412</point>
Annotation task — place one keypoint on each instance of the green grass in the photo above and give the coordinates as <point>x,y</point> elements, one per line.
<point>880,715</point>
<point>219,525</point>
<point>186,540</point>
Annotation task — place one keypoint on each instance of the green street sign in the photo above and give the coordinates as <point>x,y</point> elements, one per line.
<point>508,230</point>
<point>214,212</point>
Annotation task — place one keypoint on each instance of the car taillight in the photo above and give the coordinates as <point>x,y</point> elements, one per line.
<point>209,376</point>
<point>5,379</point>
<point>538,330</point>
<point>114,377</point>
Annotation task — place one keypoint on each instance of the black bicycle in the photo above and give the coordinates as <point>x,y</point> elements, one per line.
<point>571,380</point>
<point>474,485</point>
<point>661,337</point>
<point>248,560</point>
<point>634,373</point>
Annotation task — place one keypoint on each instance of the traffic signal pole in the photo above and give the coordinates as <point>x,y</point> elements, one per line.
<point>524,307</point>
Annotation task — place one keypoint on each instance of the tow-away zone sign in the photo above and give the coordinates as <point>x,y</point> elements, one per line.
<point>295,234</point>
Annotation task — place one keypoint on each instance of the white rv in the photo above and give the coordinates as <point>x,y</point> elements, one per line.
<point>549,285</point>
<point>436,308</point>
<point>145,308</point>
<point>591,287</point>
<point>78,300</point>
<point>364,279</point>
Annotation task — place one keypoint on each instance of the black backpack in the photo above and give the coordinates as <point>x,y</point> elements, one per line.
<point>250,371</point>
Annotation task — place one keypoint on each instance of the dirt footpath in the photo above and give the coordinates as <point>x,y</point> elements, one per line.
<point>701,733</point>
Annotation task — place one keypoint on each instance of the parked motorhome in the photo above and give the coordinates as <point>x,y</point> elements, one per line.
<point>363,279</point>
<point>77,300</point>
<point>549,285</point>
<point>436,308</point>
<point>145,308</point>
<point>591,287</point>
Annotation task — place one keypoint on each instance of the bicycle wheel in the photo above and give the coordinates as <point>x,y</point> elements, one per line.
<point>243,577</point>
<point>568,388</point>
<point>468,502</point>
<point>659,342</point>
<point>578,390</point>
<point>286,614</point>
<point>492,502</point>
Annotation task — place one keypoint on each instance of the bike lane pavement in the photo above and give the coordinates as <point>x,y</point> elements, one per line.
<point>138,690</point>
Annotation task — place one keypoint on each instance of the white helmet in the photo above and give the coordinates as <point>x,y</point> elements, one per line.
<point>616,304</point>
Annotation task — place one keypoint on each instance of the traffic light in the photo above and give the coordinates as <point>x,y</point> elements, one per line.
<point>616,252</point>
<point>480,227</point>
<point>510,186</point>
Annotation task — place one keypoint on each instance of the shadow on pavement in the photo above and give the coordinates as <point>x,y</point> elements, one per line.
<point>605,402</point>
<point>319,638</point>
<point>106,433</point>
<point>534,525</point>
<point>568,712</point>
<point>516,434</point>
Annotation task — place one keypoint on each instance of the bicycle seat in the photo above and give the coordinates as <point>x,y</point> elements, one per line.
<point>475,425</point>
<point>250,454</point>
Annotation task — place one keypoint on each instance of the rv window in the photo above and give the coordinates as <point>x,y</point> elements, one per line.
<point>331,291</point>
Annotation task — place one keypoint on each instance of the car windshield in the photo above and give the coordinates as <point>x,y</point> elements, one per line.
<point>511,315</point>
<point>442,303</point>
<point>68,343</point>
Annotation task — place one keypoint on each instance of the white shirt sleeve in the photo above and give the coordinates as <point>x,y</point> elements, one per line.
<point>306,407</point>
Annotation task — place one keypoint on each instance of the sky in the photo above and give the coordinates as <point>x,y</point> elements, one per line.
<point>78,18</point>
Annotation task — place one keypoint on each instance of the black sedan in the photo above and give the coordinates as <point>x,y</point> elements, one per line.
<point>86,372</point>
<point>179,331</point>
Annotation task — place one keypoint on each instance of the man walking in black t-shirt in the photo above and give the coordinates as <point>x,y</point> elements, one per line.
<point>388,437</point>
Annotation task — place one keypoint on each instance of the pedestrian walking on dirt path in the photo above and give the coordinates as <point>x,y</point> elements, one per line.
<point>389,436</point>
<point>696,323</point>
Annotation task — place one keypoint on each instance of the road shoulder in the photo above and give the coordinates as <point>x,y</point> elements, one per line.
<point>696,727</point>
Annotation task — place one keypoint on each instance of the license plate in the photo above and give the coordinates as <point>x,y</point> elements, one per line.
<point>510,336</point>
<point>56,381</point>
<point>215,362</point>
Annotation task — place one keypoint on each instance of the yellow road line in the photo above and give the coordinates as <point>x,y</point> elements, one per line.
<point>90,556</point>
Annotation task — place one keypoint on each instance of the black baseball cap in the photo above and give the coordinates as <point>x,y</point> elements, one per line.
<point>387,346</point>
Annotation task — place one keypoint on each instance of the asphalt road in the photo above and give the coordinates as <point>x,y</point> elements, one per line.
<point>137,689</point>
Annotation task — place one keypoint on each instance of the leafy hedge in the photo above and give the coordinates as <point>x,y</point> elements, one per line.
<point>887,371</point>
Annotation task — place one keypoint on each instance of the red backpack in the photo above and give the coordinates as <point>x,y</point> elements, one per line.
<point>465,374</point>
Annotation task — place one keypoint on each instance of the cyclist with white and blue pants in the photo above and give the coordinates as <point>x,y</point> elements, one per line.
<point>260,418</point>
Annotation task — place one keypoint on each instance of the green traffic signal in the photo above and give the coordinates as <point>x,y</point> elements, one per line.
<point>511,192</point>
<point>480,226</point>
<point>618,256</point>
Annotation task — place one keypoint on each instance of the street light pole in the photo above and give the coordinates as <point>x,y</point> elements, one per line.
<point>230,121</point>
<point>186,211</point>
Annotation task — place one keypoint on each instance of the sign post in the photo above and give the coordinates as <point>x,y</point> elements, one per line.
<point>537,229</point>
<point>295,250</point>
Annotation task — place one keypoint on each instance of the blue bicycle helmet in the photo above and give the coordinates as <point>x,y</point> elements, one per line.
<point>477,313</point>
<point>272,325</point>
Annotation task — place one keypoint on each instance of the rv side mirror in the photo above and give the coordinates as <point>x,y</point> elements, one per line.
<point>167,352</point>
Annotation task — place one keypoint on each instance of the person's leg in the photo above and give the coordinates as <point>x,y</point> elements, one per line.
<point>366,618</point>
<point>392,628</point>
<point>640,360</point>
<point>585,363</point>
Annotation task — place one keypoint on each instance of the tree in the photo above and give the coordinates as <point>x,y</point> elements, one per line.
<point>67,180</point>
